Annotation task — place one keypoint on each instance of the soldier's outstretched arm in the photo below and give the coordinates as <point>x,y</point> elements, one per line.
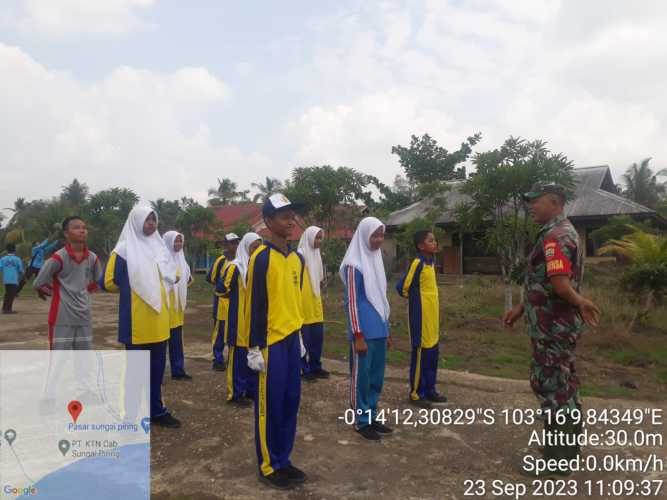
<point>590,313</point>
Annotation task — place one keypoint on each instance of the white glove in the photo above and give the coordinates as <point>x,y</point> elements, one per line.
<point>256,360</point>
<point>303,347</point>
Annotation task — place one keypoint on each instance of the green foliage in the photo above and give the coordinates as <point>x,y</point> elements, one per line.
<point>105,213</point>
<point>226,193</point>
<point>75,194</point>
<point>647,273</point>
<point>267,188</point>
<point>404,238</point>
<point>333,251</point>
<point>642,185</point>
<point>497,209</point>
<point>199,225</point>
<point>617,228</point>
<point>168,212</point>
<point>424,161</point>
<point>323,189</point>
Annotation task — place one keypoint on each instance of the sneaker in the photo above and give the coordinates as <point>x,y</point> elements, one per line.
<point>185,376</point>
<point>322,373</point>
<point>278,480</point>
<point>166,420</point>
<point>381,428</point>
<point>218,367</point>
<point>310,377</point>
<point>420,403</point>
<point>295,475</point>
<point>436,398</point>
<point>240,402</point>
<point>369,433</point>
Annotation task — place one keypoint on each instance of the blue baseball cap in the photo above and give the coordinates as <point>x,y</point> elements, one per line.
<point>277,202</point>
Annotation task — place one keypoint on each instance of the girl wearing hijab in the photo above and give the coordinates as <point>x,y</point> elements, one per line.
<point>136,270</point>
<point>313,326</point>
<point>367,310</point>
<point>232,285</point>
<point>178,294</point>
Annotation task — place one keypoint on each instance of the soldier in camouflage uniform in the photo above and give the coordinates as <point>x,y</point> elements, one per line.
<point>555,311</point>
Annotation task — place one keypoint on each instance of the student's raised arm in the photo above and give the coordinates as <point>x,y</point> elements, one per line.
<point>410,277</point>
<point>258,298</point>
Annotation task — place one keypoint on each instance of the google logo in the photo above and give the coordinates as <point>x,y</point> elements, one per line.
<point>17,492</point>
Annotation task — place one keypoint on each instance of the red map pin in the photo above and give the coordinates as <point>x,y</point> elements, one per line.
<point>75,408</point>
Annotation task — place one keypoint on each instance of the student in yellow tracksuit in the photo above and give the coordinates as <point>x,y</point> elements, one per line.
<point>232,285</point>
<point>177,303</point>
<point>136,270</point>
<point>420,287</point>
<point>274,312</point>
<point>220,303</point>
<point>312,331</point>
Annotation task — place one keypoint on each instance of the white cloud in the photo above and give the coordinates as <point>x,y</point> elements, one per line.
<point>67,17</point>
<point>586,78</point>
<point>135,128</point>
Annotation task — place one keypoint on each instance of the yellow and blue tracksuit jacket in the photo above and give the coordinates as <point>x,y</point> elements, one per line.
<point>176,315</point>
<point>274,308</point>
<point>313,312</point>
<point>420,287</point>
<point>219,302</point>
<point>138,323</point>
<point>231,286</point>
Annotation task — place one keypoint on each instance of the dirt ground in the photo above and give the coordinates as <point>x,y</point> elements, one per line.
<point>212,456</point>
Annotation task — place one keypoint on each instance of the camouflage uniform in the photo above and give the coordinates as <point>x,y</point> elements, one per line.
<point>553,324</point>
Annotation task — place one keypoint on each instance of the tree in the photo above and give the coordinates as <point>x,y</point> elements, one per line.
<point>106,212</point>
<point>269,187</point>
<point>168,212</point>
<point>646,276</point>
<point>199,225</point>
<point>20,204</point>
<point>642,186</point>
<point>618,227</point>
<point>497,208</point>
<point>323,189</point>
<point>424,161</point>
<point>226,193</point>
<point>75,194</point>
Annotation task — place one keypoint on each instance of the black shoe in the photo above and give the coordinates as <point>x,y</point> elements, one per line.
<point>240,402</point>
<point>420,403</point>
<point>166,420</point>
<point>295,475</point>
<point>310,377</point>
<point>436,398</point>
<point>277,480</point>
<point>218,367</point>
<point>381,428</point>
<point>369,433</point>
<point>321,373</point>
<point>185,376</point>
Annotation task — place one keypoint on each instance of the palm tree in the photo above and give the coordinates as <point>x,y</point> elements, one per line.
<point>75,194</point>
<point>269,187</point>
<point>642,184</point>
<point>20,205</point>
<point>224,194</point>
<point>647,274</point>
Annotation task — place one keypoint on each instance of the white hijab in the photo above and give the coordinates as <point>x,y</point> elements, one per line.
<point>369,263</point>
<point>182,267</point>
<point>147,258</point>
<point>312,257</point>
<point>243,254</point>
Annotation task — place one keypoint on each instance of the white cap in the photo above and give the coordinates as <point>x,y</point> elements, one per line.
<point>231,237</point>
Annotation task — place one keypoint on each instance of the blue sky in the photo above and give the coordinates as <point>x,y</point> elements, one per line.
<point>164,96</point>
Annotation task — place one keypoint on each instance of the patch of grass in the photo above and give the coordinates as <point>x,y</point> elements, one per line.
<point>453,362</point>
<point>396,357</point>
<point>663,376</point>
<point>606,391</point>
